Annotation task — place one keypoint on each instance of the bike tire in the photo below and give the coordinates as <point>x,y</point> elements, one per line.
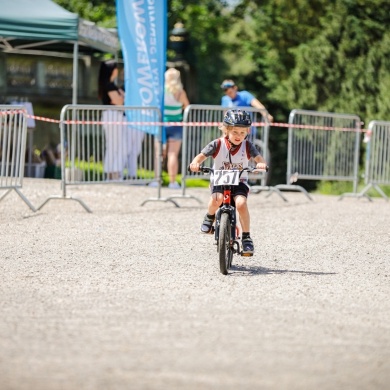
<point>224,248</point>
<point>230,259</point>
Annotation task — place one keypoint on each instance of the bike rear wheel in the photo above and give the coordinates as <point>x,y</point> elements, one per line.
<point>224,248</point>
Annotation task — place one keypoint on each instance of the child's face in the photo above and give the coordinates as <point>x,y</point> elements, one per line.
<point>237,134</point>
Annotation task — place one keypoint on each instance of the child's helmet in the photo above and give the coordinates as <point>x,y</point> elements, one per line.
<point>237,118</point>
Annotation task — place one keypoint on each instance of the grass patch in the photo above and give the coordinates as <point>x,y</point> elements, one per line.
<point>333,187</point>
<point>342,187</point>
<point>93,171</point>
<point>190,182</point>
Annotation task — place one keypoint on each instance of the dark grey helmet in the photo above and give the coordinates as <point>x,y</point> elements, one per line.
<point>237,118</point>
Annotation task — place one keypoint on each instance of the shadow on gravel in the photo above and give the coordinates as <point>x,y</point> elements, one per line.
<point>255,270</point>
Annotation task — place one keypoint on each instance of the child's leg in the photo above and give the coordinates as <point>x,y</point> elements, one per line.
<point>208,221</point>
<point>243,212</point>
<point>214,202</point>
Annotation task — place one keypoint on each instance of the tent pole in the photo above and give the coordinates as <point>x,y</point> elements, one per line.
<point>75,71</point>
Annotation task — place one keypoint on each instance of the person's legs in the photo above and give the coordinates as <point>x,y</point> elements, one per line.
<point>133,149</point>
<point>173,149</point>
<point>240,200</point>
<point>214,202</point>
<point>243,212</point>
<point>111,162</point>
<point>174,136</point>
<point>158,161</point>
<point>213,205</point>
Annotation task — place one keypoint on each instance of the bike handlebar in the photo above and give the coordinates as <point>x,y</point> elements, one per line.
<point>211,170</point>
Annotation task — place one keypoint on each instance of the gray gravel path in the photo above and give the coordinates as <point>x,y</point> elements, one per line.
<point>131,297</point>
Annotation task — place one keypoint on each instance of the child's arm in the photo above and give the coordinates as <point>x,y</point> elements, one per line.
<point>194,166</point>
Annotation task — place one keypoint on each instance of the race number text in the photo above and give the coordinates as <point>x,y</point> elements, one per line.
<point>230,178</point>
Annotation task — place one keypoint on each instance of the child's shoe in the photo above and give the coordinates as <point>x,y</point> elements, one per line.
<point>207,224</point>
<point>247,247</point>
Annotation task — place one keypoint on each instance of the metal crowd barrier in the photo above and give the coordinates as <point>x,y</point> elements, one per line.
<point>109,144</point>
<point>201,127</point>
<point>13,137</point>
<point>322,146</point>
<point>377,170</point>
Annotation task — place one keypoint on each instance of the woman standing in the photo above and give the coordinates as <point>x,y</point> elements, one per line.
<point>115,132</point>
<point>175,101</point>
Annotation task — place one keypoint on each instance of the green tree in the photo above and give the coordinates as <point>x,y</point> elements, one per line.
<point>205,21</point>
<point>346,66</point>
<point>102,12</point>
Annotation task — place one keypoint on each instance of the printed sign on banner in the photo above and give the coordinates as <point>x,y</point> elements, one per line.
<point>142,29</point>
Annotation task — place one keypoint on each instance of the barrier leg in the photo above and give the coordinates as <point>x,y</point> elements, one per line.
<point>65,198</point>
<point>258,189</point>
<point>183,195</point>
<point>25,200</point>
<point>5,194</point>
<point>28,203</point>
<point>293,187</point>
<point>159,198</point>
<point>381,192</point>
<point>363,193</point>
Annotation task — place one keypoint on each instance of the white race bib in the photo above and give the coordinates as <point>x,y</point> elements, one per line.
<point>230,178</point>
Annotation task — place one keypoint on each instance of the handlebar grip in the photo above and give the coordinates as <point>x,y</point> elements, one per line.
<point>202,168</point>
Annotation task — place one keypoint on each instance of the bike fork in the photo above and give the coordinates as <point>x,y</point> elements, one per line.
<point>234,230</point>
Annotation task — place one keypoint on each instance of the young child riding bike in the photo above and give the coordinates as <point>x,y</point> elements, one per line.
<point>231,151</point>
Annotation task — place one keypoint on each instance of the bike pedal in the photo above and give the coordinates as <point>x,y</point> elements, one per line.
<point>246,254</point>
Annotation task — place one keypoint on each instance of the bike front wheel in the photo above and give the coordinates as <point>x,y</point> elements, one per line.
<point>224,248</point>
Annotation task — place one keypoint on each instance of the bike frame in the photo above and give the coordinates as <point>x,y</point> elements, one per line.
<point>227,207</point>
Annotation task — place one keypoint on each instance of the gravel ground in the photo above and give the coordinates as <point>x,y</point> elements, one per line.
<point>131,297</point>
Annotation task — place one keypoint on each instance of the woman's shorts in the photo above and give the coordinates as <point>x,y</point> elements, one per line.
<point>172,132</point>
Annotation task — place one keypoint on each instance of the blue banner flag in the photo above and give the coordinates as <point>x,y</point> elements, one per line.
<point>142,30</point>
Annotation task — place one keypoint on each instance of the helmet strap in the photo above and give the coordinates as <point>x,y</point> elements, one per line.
<point>232,145</point>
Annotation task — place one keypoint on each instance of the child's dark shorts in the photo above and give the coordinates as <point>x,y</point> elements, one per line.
<point>241,189</point>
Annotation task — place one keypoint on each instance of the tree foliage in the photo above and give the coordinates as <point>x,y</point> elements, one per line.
<point>345,66</point>
<point>205,21</point>
<point>102,12</point>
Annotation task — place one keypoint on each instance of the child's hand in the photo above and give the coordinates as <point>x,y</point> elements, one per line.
<point>194,167</point>
<point>262,166</point>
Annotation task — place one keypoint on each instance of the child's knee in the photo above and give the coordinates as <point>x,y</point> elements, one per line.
<point>217,198</point>
<point>241,202</point>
